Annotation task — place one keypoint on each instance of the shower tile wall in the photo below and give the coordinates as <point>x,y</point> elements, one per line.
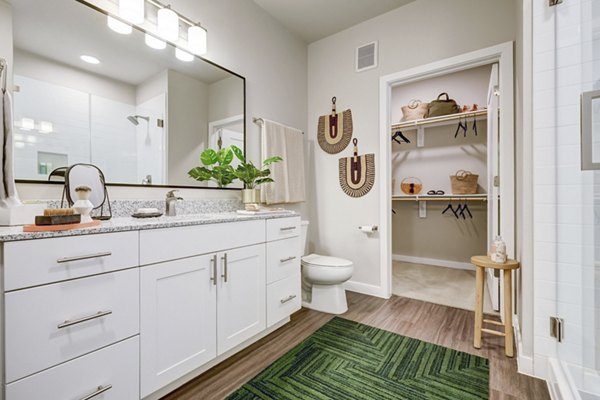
<point>566,63</point>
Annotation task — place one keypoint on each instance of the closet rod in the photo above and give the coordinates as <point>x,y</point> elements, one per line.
<point>435,120</point>
<point>260,121</point>
<point>439,198</point>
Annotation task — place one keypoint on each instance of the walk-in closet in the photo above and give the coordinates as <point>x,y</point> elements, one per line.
<point>444,164</point>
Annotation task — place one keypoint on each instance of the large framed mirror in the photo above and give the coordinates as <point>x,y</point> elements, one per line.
<point>85,93</point>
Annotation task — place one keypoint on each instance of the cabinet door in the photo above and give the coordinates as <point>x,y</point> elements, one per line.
<point>241,296</point>
<point>178,319</point>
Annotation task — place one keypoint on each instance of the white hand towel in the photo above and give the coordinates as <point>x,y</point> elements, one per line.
<point>288,143</point>
<point>8,189</point>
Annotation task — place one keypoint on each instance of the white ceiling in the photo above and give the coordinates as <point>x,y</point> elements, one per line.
<point>315,19</point>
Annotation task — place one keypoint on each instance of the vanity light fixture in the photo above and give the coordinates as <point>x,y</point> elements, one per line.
<point>118,26</point>
<point>183,55</point>
<point>197,39</point>
<point>89,59</point>
<point>155,43</point>
<point>168,24</point>
<point>27,124</point>
<point>132,10</point>
<point>46,127</point>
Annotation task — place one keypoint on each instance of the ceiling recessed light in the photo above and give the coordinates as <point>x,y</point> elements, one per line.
<point>89,59</point>
<point>118,26</point>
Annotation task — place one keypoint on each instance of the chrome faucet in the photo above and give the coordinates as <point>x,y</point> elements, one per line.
<point>170,203</point>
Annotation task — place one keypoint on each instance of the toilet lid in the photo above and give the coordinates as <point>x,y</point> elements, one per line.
<point>325,261</point>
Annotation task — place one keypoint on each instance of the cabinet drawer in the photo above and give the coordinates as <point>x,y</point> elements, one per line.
<point>35,262</point>
<point>284,298</point>
<point>283,258</point>
<point>158,245</point>
<point>114,368</point>
<point>283,228</point>
<point>51,324</point>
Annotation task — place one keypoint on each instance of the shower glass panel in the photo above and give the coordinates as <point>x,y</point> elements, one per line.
<point>577,176</point>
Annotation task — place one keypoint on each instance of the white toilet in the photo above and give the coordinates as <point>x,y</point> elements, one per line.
<point>323,280</point>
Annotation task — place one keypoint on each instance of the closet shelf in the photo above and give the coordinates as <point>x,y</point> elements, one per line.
<point>447,197</point>
<point>439,121</point>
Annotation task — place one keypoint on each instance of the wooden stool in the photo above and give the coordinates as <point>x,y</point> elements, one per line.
<point>481,263</point>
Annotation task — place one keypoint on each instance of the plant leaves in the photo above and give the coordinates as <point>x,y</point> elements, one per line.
<point>272,160</point>
<point>263,180</point>
<point>200,174</point>
<point>209,157</point>
<point>239,153</point>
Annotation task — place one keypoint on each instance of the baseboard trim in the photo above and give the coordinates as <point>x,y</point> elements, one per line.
<point>524,363</point>
<point>365,288</point>
<point>433,261</point>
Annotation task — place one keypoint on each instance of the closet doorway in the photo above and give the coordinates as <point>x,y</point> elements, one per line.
<point>430,226</point>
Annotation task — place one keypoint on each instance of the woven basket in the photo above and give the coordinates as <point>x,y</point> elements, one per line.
<point>464,182</point>
<point>411,185</point>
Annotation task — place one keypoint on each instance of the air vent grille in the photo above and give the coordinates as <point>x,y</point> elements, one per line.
<point>366,57</point>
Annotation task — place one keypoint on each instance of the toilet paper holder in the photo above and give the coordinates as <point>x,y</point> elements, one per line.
<point>368,228</point>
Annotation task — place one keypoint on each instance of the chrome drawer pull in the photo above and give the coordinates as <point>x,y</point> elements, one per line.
<point>287,259</point>
<point>213,261</point>
<point>288,299</point>
<point>287,228</point>
<point>87,257</point>
<point>68,323</point>
<point>99,391</point>
<point>224,276</point>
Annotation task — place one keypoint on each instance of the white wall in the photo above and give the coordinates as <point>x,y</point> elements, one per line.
<point>418,33</point>
<point>226,98</point>
<point>272,60</point>
<point>187,127</point>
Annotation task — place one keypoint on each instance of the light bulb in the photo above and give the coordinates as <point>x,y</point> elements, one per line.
<point>132,10</point>
<point>118,26</point>
<point>183,55</point>
<point>46,127</point>
<point>168,24</point>
<point>27,124</point>
<point>197,39</point>
<point>155,43</point>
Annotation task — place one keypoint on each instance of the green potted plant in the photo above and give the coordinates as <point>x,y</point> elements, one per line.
<point>216,167</point>
<point>252,176</point>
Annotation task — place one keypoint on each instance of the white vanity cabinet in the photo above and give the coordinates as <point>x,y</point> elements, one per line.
<point>134,314</point>
<point>177,316</point>
<point>241,310</point>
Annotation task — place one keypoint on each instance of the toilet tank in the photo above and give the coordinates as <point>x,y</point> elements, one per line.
<point>304,236</point>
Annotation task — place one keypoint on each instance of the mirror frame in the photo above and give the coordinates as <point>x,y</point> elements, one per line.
<point>139,185</point>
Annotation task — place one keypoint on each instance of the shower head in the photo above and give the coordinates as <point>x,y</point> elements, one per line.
<point>135,119</point>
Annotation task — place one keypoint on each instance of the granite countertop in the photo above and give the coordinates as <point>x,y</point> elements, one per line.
<point>122,224</point>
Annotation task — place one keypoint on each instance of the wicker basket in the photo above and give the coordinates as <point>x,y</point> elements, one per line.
<point>464,182</point>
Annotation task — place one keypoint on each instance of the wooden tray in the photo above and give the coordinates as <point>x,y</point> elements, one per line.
<point>57,228</point>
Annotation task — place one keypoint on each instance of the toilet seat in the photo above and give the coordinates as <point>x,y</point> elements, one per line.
<point>317,260</point>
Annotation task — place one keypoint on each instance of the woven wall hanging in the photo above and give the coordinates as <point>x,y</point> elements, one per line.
<point>335,130</point>
<point>357,173</point>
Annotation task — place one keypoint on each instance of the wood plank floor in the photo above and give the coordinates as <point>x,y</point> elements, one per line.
<point>450,327</point>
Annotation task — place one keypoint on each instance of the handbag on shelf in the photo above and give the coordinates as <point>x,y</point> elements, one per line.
<point>416,109</point>
<point>440,107</point>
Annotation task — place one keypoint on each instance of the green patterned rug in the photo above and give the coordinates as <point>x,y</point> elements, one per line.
<point>348,360</point>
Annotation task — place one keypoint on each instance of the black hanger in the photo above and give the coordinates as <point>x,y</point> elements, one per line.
<point>475,124</point>
<point>450,208</point>
<point>466,208</point>
<point>460,126</point>
<point>461,210</point>
<point>399,134</point>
